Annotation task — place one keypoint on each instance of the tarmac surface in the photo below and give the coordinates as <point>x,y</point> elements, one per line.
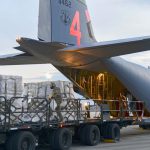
<point>132,138</point>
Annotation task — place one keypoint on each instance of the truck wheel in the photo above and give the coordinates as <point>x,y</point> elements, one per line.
<point>92,135</point>
<point>82,134</point>
<point>114,132</point>
<point>62,139</point>
<point>22,141</point>
<point>9,142</point>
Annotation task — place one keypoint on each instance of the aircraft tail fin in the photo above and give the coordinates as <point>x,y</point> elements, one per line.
<point>65,21</point>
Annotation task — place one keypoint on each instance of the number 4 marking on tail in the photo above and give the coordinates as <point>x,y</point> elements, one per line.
<point>75,27</point>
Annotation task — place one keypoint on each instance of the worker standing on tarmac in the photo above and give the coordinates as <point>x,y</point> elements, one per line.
<point>58,99</point>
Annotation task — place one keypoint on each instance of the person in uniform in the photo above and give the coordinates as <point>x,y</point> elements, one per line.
<point>58,99</point>
<point>123,105</point>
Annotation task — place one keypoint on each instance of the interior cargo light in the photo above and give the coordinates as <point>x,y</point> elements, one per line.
<point>100,75</point>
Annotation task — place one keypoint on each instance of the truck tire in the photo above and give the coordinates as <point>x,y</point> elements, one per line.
<point>62,139</point>
<point>21,141</point>
<point>9,142</point>
<point>113,132</point>
<point>92,135</point>
<point>82,134</point>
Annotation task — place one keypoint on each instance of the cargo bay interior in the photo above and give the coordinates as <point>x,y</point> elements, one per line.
<point>99,86</point>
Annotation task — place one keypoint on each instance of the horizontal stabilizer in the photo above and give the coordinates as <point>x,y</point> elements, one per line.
<point>113,48</point>
<point>20,49</point>
<point>31,52</point>
<point>10,55</point>
<point>21,59</point>
<point>30,45</point>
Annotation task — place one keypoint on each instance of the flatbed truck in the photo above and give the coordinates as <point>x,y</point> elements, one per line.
<point>23,134</point>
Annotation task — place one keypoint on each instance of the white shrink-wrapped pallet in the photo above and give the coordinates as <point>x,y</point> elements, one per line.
<point>43,90</point>
<point>39,89</point>
<point>10,86</point>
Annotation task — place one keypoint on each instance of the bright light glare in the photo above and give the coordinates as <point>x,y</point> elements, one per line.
<point>48,75</point>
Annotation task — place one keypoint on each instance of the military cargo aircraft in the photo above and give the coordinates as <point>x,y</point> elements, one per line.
<point>66,40</point>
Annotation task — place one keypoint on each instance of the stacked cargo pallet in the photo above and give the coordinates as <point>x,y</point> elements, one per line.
<point>32,107</point>
<point>43,90</point>
<point>10,86</point>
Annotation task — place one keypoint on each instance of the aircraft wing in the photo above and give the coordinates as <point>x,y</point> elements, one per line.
<point>112,48</point>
